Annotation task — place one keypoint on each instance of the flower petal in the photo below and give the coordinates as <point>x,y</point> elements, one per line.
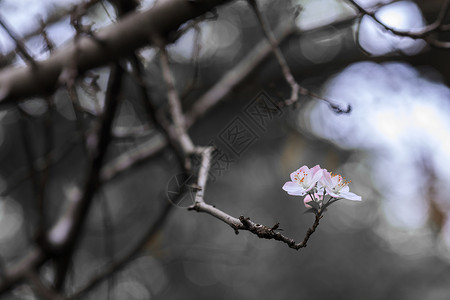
<point>331,193</point>
<point>350,196</point>
<point>316,177</point>
<point>326,179</point>
<point>315,169</point>
<point>344,189</point>
<point>301,192</point>
<point>291,187</point>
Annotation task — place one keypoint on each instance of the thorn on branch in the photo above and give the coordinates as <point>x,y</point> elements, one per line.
<point>276,226</point>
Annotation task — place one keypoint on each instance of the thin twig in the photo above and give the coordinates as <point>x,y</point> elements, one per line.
<point>295,87</point>
<point>175,105</point>
<point>130,158</point>
<point>277,52</point>
<point>54,17</point>
<point>244,223</point>
<point>40,165</point>
<point>19,44</point>
<point>422,33</point>
<point>158,119</point>
<point>271,233</point>
<point>194,61</point>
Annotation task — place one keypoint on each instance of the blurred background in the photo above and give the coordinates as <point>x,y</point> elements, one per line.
<point>394,146</point>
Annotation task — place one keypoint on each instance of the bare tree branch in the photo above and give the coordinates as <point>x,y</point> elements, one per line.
<point>176,110</point>
<point>63,237</point>
<point>422,33</point>
<point>295,87</point>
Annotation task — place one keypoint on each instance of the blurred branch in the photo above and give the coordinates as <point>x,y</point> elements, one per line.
<point>62,238</point>
<point>235,76</point>
<point>241,71</point>
<point>424,33</point>
<point>55,16</point>
<point>40,288</point>
<point>28,150</point>
<point>121,262</point>
<point>20,46</point>
<point>117,40</point>
<point>17,273</point>
<point>175,108</point>
<point>132,157</point>
<point>155,115</point>
<point>295,87</point>
<point>109,171</point>
<point>194,61</point>
<point>41,164</point>
<point>49,145</point>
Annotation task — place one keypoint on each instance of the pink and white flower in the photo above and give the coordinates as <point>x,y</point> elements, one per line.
<point>336,186</point>
<point>303,180</point>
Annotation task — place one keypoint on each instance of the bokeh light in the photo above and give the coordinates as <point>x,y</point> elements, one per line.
<point>403,16</point>
<point>400,117</point>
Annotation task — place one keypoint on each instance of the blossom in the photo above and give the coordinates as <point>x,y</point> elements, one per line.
<point>308,198</point>
<point>336,186</point>
<point>303,180</point>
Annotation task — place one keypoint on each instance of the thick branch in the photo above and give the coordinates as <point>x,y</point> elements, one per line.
<point>116,41</point>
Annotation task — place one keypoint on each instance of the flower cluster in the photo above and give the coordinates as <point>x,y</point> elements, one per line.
<point>315,183</point>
